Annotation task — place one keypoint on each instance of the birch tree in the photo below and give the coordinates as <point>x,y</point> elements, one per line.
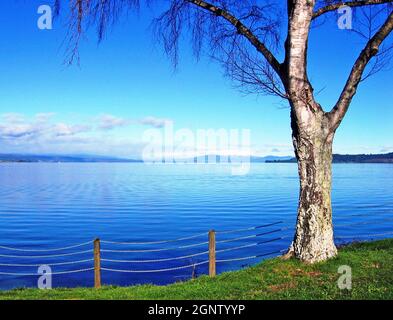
<point>247,37</point>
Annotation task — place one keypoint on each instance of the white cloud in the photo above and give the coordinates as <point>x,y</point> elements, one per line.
<point>18,130</point>
<point>62,129</point>
<point>44,116</point>
<point>12,117</point>
<point>18,127</point>
<point>154,122</point>
<point>109,122</point>
<point>40,133</point>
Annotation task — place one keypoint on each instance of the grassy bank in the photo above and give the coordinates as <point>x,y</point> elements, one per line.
<point>371,263</point>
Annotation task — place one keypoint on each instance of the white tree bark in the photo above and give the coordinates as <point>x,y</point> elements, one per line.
<point>312,138</point>
<point>313,142</point>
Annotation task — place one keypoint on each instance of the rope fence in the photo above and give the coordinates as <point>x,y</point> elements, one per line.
<point>44,259</point>
<point>205,250</point>
<point>114,257</point>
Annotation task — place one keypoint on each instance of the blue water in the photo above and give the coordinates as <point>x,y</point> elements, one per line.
<point>47,205</point>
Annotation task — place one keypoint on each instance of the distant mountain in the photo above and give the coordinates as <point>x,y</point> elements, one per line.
<point>96,158</point>
<point>61,158</point>
<point>226,159</point>
<point>364,158</point>
<point>351,158</point>
<point>270,158</point>
<point>337,158</point>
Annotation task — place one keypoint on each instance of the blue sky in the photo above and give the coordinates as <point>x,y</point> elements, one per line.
<point>126,85</point>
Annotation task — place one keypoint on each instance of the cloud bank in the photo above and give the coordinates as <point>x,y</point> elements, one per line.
<point>40,133</point>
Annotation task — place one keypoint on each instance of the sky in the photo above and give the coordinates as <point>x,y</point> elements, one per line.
<point>125,87</point>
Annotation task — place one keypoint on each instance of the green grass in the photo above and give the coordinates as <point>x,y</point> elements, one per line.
<point>371,263</point>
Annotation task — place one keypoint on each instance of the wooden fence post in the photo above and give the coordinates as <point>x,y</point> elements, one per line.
<point>97,264</point>
<point>212,253</point>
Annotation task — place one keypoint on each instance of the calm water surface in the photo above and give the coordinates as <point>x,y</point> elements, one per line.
<point>47,205</point>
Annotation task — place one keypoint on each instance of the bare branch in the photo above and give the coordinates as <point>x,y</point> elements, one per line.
<point>355,3</point>
<point>367,21</point>
<point>241,29</point>
<point>223,42</point>
<point>85,13</point>
<point>370,50</point>
<point>252,74</point>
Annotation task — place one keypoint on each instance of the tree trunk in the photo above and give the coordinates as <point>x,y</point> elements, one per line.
<point>312,136</point>
<point>313,142</point>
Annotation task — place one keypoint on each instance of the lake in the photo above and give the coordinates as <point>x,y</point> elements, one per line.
<point>46,206</point>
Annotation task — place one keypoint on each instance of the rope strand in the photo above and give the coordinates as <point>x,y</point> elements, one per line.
<point>251,236</point>
<point>47,250</point>
<point>155,242</point>
<point>365,235</point>
<point>157,270</point>
<point>156,250</point>
<point>49,264</point>
<point>156,260</point>
<point>47,256</point>
<point>249,257</point>
<point>362,223</point>
<point>248,229</point>
<point>52,273</point>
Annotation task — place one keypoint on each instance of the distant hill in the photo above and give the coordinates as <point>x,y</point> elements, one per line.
<point>226,159</point>
<point>337,158</point>
<point>351,158</point>
<point>270,158</point>
<point>61,158</point>
<point>95,158</point>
